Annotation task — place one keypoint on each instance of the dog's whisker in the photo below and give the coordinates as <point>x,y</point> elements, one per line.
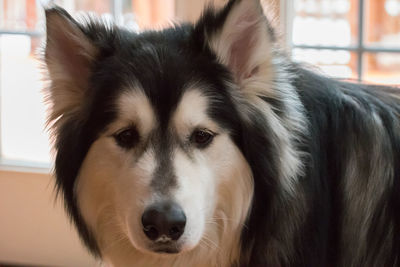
<point>210,241</point>
<point>206,245</point>
<point>116,240</point>
<point>226,219</point>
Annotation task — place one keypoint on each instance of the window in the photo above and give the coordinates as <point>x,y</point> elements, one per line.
<point>20,83</point>
<point>23,140</point>
<point>352,39</point>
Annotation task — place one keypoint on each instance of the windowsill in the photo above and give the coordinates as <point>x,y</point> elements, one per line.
<point>25,166</point>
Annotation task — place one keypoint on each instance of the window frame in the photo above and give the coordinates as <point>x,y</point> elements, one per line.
<point>116,8</point>
<point>27,166</point>
<point>11,164</point>
<point>286,13</point>
<point>361,47</point>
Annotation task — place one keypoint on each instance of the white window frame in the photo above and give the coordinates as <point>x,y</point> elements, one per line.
<point>20,165</point>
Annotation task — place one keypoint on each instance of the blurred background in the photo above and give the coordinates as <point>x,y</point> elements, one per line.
<point>349,39</point>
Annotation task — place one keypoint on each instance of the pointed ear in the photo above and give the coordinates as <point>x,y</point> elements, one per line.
<point>69,55</point>
<point>240,36</point>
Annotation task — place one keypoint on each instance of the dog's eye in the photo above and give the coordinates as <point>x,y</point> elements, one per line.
<point>127,138</point>
<point>202,137</point>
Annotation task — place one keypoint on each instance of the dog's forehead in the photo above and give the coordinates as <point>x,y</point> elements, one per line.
<point>172,79</point>
<point>162,74</point>
<point>135,107</point>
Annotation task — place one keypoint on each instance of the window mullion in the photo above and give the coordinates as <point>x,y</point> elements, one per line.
<point>1,98</point>
<point>117,11</point>
<point>360,46</point>
<point>286,22</point>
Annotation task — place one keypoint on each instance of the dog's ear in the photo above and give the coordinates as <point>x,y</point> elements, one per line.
<point>69,56</point>
<point>240,36</point>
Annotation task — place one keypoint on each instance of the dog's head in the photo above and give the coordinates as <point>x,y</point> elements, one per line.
<point>153,130</point>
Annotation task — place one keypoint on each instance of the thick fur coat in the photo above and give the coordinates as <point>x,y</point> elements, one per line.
<point>270,163</point>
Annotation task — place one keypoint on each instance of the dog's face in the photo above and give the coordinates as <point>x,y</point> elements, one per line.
<point>161,175</point>
<point>148,133</point>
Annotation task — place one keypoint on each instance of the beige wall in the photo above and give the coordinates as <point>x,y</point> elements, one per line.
<point>191,10</point>
<point>33,227</point>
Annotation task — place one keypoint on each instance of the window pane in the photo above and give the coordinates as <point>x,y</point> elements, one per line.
<point>383,23</point>
<point>96,6</point>
<point>325,22</point>
<point>382,68</point>
<point>21,15</point>
<point>129,18</point>
<point>22,108</point>
<point>148,13</point>
<point>335,63</point>
<point>28,15</point>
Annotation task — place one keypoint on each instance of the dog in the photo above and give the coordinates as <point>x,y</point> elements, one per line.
<point>205,145</point>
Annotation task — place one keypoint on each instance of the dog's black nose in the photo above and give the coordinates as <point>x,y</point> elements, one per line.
<point>164,219</point>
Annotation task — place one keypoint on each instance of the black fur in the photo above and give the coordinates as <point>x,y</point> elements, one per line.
<point>337,127</point>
